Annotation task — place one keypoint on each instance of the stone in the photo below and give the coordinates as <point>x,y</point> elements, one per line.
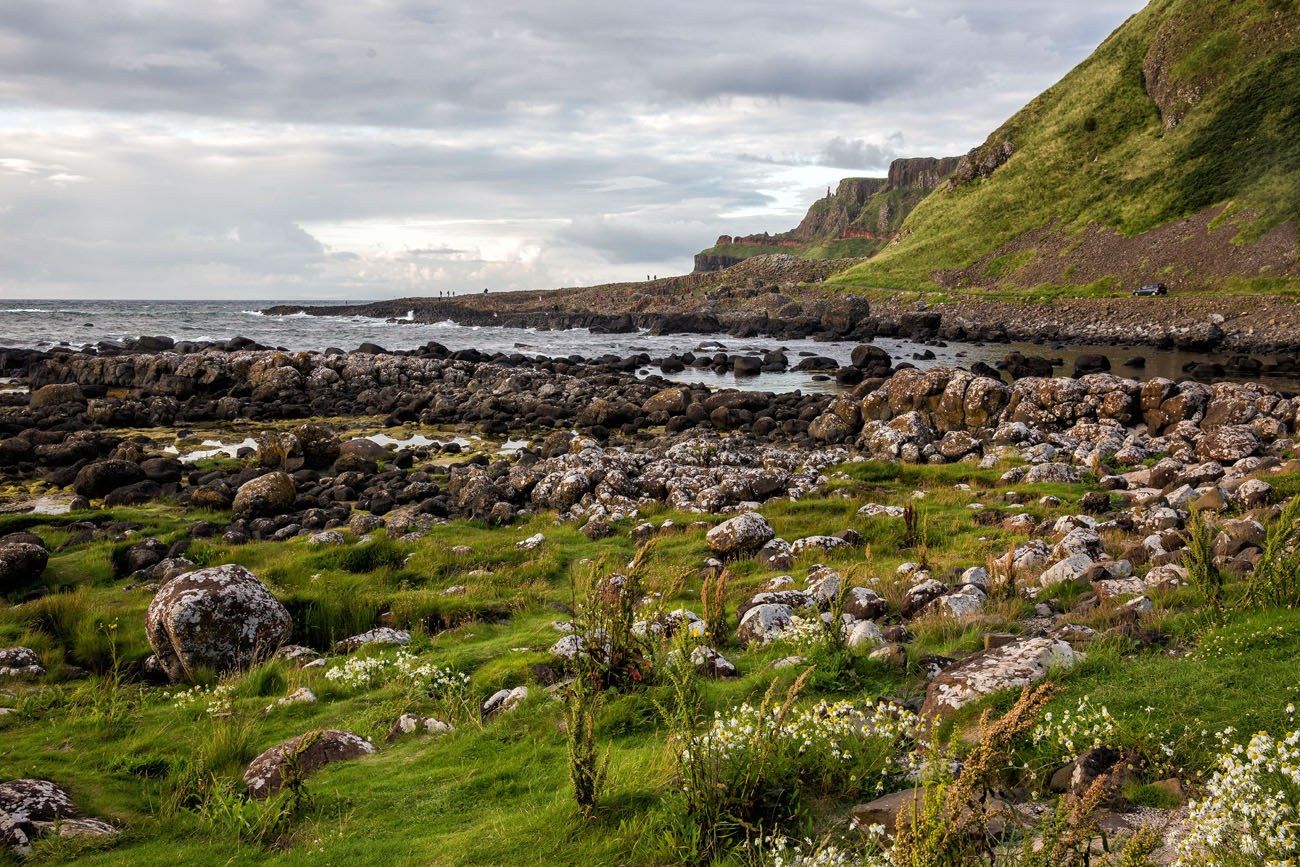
<point>21,563</point>
<point>1228,444</point>
<point>710,663</point>
<point>1072,568</point>
<point>862,603</point>
<point>301,695</point>
<point>103,477</point>
<point>60,394</point>
<point>222,618</point>
<point>764,623</point>
<point>382,636</point>
<point>409,724</point>
<point>307,753</point>
<point>740,535</point>
<point>1079,774</point>
<point>1055,473</point>
<point>817,544</point>
<point>504,700</point>
<point>267,496</point>
<point>1012,665</point>
<point>863,633</point>
<point>532,543</point>
<point>921,595</point>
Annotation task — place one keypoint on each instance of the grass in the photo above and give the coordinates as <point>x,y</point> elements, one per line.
<point>1093,149</point>
<point>498,792</point>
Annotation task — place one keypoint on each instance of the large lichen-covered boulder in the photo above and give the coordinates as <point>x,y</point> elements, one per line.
<point>303,755</point>
<point>26,806</point>
<point>265,496</point>
<point>740,535</point>
<point>1017,664</point>
<point>38,800</point>
<point>222,618</point>
<point>21,563</point>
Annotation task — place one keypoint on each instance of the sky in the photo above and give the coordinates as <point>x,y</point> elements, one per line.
<point>286,149</point>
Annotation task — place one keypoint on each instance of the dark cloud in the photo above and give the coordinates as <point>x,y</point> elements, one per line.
<point>315,147</point>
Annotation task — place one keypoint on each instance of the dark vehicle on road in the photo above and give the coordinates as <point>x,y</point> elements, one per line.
<point>1151,289</point>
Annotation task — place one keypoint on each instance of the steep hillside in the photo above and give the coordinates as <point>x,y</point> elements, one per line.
<point>1171,153</point>
<point>857,220</point>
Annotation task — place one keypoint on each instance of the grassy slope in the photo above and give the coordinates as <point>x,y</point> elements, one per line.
<point>1093,149</point>
<point>840,249</point>
<point>498,793</point>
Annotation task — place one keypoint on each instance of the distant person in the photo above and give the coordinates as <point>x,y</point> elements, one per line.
<point>485,291</point>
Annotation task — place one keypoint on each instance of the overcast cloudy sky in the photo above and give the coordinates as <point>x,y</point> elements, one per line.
<point>369,148</point>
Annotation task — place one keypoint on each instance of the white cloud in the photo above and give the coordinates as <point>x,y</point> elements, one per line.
<point>314,148</point>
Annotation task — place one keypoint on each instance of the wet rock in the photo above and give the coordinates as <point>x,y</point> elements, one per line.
<point>222,618</point>
<point>304,755</point>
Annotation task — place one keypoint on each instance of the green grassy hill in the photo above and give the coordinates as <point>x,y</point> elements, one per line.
<point>1171,153</point>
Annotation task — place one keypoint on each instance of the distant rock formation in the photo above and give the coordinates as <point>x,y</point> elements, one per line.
<point>868,211</point>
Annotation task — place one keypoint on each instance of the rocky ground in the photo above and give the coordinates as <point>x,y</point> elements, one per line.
<point>321,646</point>
<point>784,297</point>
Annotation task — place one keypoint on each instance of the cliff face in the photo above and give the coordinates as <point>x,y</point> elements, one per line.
<point>859,218</point>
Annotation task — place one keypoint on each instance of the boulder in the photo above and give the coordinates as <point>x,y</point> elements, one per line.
<point>318,445</point>
<point>266,496</point>
<point>21,563</point>
<point>672,400</point>
<point>60,394</point>
<point>222,618</point>
<point>740,535</point>
<point>1228,444</point>
<point>1011,665</point>
<point>383,636</point>
<point>103,477</point>
<point>764,623</point>
<point>504,700</point>
<point>30,808</point>
<point>709,663</point>
<point>306,754</point>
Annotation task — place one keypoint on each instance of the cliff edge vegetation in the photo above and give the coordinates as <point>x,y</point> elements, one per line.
<point>1169,154</point>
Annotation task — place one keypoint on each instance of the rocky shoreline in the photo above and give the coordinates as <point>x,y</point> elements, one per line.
<point>643,433</point>
<point>783,297</point>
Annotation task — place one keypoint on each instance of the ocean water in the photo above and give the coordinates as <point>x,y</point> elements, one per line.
<point>45,324</point>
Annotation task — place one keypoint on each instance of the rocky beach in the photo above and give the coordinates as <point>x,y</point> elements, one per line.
<point>971,532</point>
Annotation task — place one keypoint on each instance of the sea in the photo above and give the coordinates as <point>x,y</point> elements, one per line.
<point>45,324</point>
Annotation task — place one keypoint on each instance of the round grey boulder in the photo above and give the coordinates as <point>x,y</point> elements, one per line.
<point>740,535</point>
<point>222,618</point>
